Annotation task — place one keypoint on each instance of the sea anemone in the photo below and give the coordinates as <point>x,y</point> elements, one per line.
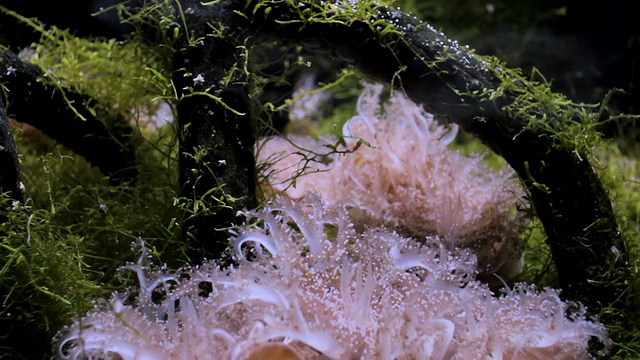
<point>405,177</point>
<point>307,285</point>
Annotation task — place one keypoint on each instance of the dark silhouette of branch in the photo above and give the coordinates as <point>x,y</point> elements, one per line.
<point>82,17</point>
<point>446,78</point>
<point>9,169</point>
<point>217,131</point>
<point>34,100</point>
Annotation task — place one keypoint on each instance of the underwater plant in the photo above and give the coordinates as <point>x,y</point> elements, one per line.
<point>309,285</point>
<point>406,178</point>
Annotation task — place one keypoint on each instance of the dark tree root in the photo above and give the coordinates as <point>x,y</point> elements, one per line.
<point>565,191</point>
<point>33,100</point>
<point>9,167</point>
<point>215,115</point>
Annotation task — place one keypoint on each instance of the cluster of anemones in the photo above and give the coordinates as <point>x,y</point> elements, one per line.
<point>307,285</point>
<point>395,169</point>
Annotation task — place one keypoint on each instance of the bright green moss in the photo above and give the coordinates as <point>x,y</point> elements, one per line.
<point>61,249</point>
<point>114,73</point>
<point>620,173</point>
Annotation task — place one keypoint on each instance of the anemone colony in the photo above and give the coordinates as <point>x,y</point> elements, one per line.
<point>309,286</point>
<point>406,178</point>
<point>328,275</point>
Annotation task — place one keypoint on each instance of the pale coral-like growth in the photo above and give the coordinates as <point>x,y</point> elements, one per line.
<point>407,179</point>
<point>308,286</point>
<point>307,100</point>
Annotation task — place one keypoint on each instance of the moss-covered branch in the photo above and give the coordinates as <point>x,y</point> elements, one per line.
<point>518,118</point>
<point>216,129</point>
<point>65,116</point>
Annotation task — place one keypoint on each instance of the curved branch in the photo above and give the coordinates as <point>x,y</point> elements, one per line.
<point>35,101</point>
<point>567,195</point>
